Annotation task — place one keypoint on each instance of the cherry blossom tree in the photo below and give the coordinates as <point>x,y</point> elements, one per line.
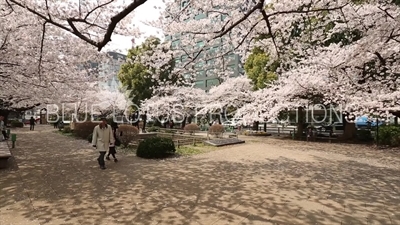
<point>174,103</point>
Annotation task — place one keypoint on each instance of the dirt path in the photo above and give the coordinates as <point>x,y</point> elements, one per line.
<point>56,180</point>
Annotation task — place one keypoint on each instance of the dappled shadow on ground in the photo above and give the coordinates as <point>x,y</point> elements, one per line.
<point>57,181</point>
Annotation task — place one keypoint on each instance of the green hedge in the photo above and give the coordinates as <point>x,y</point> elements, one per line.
<point>364,135</point>
<point>389,135</point>
<point>16,123</point>
<point>156,148</point>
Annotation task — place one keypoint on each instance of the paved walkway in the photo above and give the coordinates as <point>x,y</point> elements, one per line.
<point>55,180</point>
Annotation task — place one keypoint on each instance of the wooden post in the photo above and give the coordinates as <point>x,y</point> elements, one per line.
<point>194,141</point>
<point>279,133</point>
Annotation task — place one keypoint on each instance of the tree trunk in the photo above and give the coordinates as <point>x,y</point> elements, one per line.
<point>349,132</point>
<point>219,120</point>
<point>300,122</point>
<point>190,118</point>
<point>265,127</point>
<point>255,125</point>
<point>184,122</point>
<point>349,129</point>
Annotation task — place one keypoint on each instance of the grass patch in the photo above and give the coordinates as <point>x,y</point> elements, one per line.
<point>188,150</point>
<point>68,134</point>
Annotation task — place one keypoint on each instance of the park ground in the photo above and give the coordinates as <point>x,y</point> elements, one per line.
<point>54,179</point>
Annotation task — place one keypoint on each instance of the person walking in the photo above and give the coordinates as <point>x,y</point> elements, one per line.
<point>144,120</point>
<point>102,139</point>
<point>112,149</point>
<point>3,128</point>
<point>32,123</point>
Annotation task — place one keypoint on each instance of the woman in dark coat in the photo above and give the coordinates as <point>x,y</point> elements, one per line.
<point>112,151</point>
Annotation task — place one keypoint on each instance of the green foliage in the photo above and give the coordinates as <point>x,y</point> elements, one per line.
<point>389,135</point>
<point>156,148</point>
<point>16,123</point>
<point>257,69</point>
<point>364,135</point>
<point>152,129</point>
<point>67,130</point>
<point>137,77</point>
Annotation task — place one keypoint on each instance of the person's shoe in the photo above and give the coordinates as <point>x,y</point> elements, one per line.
<point>115,160</point>
<point>103,167</point>
<point>108,158</point>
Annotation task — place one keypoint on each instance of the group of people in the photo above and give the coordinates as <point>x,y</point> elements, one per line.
<point>135,120</point>
<point>105,138</point>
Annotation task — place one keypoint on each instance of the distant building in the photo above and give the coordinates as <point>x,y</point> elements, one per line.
<point>204,76</point>
<point>110,70</point>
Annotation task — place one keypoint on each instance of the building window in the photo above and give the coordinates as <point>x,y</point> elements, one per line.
<point>200,16</point>
<point>176,43</point>
<point>210,73</point>
<point>231,67</point>
<point>199,84</point>
<point>223,17</point>
<point>200,44</point>
<point>230,56</point>
<point>201,73</point>
<point>199,64</point>
<point>212,82</point>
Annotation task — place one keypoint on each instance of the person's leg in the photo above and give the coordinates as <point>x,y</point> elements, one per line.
<point>101,161</point>
<point>108,155</point>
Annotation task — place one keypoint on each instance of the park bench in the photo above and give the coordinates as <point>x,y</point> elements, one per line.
<point>5,154</point>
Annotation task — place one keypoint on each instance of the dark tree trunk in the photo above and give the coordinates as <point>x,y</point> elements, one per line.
<point>349,129</point>
<point>255,125</point>
<point>190,118</point>
<point>265,127</point>
<point>300,122</point>
<point>184,122</point>
<point>219,120</point>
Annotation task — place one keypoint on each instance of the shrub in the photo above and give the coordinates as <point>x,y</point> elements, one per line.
<point>90,138</point>
<point>216,129</point>
<point>152,129</point>
<point>16,123</point>
<point>83,130</point>
<point>156,148</point>
<point>191,128</point>
<point>67,130</point>
<point>128,134</point>
<point>389,135</point>
<point>364,135</point>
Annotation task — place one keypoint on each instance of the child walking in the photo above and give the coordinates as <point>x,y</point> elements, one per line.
<point>111,150</point>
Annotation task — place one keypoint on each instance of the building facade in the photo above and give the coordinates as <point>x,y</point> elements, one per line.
<point>109,71</point>
<point>204,76</point>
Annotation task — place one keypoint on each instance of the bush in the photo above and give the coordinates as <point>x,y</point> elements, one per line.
<point>83,130</point>
<point>152,129</point>
<point>16,123</point>
<point>191,128</point>
<point>128,134</point>
<point>216,129</point>
<point>156,148</point>
<point>364,135</point>
<point>389,135</point>
<point>67,130</point>
<point>90,138</point>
